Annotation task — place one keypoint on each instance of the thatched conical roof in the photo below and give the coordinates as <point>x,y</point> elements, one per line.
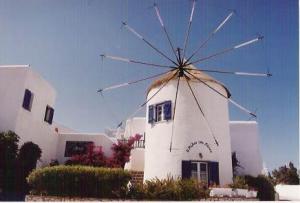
<point>197,73</point>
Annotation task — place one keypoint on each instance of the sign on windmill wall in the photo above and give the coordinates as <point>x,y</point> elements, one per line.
<point>199,142</point>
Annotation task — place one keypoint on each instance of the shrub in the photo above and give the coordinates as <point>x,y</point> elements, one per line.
<point>8,155</point>
<point>27,159</point>
<point>265,189</point>
<point>235,164</point>
<point>168,189</point>
<point>239,182</point>
<point>16,165</point>
<point>28,155</point>
<point>121,152</point>
<point>54,162</point>
<point>93,157</point>
<point>82,181</point>
<point>286,175</point>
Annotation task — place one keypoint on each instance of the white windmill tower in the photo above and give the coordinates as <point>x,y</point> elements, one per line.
<point>187,130</point>
<point>195,120</point>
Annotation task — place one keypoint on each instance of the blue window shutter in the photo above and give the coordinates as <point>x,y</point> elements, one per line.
<point>51,115</point>
<point>151,114</point>
<point>186,170</point>
<point>213,173</point>
<point>27,99</point>
<point>168,110</point>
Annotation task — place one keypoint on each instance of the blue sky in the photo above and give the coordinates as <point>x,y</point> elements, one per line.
<point>62,40</point>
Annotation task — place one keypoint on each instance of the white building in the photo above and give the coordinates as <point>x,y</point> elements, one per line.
<point>27,108</point>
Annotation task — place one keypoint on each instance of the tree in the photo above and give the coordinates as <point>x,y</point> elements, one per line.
<point>8,148</point>
<point>235,164</point>
<point>122,151</point>
<point>286,175</point>
<point>8,154</point>
<point>263,186</point>
<point>27,159</point>
<point>15,165</point>
<point>93,157</point>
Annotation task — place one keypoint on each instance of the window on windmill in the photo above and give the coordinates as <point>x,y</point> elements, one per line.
<point>27,100</point>
<point>151,114</point>
<point>49,114</point>
<point>160,112</point>
<point>167,110</point>
<point>203,172</point>
<point>194,170</point>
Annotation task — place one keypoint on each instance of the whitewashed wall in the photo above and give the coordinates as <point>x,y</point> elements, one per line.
<point>288,192</point>
<point>97,138</point>
<point>29,125</point>
<point>245,142</point>
<point>134,126</point>
<point>12,82</point>
<point>189,127</point>
<point>137,160</point>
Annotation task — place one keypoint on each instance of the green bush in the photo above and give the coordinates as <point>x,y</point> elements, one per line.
<point>15,165</point>
<point>28,156</point>
<point>80,181</point>
<point>264,187</point>
<point>168,189</point>
<point>239,182</point>
<point>8,155</point>
<point>286,175</point>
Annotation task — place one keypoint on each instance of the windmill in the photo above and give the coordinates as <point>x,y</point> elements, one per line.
<point>182,68</point>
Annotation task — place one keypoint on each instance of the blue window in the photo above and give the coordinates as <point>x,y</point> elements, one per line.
<point>27,100</point>
<point>151,114</point>
<point>160,112</point>
<point>167,110</point>
<point>49,115</point>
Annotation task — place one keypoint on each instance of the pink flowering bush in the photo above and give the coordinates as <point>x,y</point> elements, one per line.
<point>95,156</point>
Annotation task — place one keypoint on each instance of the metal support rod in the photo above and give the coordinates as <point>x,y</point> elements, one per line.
<point>143,104</point>
<point>230,100</point>
<point>164,28</point>
<point>131,82</point>
<point>179,56</point>
<point>147,42</point>
<point>174,111</point>
<point>117,58</point>
<point>188,30</point>
<point>199,107</point>
<point>211,35</point>
<point>232,72</point>
<point>226,50</point>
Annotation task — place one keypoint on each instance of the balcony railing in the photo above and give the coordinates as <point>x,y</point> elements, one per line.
<point>137,144</point>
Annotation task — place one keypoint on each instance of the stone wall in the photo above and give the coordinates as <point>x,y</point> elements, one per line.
<point>137,177</point>
<point>37,198</point>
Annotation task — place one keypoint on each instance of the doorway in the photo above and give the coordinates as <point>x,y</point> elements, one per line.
<point>199,171</point>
